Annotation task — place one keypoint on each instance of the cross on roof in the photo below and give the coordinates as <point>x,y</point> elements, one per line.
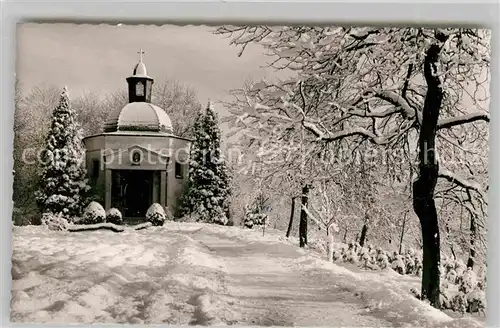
<point>141,52</point>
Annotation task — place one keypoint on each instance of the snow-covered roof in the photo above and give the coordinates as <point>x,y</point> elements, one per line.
<point>140,70</point>
<point>138,116</point>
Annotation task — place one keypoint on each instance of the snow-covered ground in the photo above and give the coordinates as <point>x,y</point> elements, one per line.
<point>188,273</point>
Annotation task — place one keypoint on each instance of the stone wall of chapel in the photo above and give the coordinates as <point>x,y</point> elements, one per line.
<point>178,148</point>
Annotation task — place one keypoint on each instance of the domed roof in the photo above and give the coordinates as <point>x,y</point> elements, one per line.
<point>140,69</point>
<point>138,116</point>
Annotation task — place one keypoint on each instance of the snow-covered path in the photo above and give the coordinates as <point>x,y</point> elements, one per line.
<point>199,274</point>
<point>265,286</point>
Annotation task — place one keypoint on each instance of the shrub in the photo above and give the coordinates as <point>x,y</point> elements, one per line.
<point>94,213</point>
<point>351,255</point>
<point>254,217</point>
<point>114,216</point>
<point>255,220</point>
<point>462,290</point>
<point>468,282</point>
<point>337,254</point>
<point>156,215</point>
<point>55,222</point>
<point>398,265</point>
<point>382,259</point>
<point>459,303</point>
<point>476,301</point>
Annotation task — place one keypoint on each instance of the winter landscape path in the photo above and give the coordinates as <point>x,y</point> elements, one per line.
<point>264,286</point>
<point>201,275</point>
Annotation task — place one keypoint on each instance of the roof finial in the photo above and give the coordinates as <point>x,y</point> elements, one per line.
<point>141,52</point>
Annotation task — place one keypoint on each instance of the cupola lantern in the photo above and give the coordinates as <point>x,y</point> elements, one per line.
<point>140,84</point>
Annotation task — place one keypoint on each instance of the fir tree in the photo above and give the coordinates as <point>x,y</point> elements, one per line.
<point>207,195</point>
<point>63,185</point>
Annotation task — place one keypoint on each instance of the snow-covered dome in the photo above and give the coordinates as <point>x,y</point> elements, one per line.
<point>138,116</point>
<point>140,69</point>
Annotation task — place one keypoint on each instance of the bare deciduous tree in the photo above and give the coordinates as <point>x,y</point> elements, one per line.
<point>372,85</point>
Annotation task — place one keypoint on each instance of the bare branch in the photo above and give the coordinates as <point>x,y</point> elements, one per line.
<point>454,121</point>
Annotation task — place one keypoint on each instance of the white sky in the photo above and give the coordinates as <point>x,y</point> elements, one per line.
<point>98,58</point>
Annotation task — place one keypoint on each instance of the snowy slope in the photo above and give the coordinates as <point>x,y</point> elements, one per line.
<point>201,274</point>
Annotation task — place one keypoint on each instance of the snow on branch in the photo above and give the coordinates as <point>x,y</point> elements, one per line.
<point>469,118</point>
<point>358,131</point>
<point>469,185</point>
<point>398,101</point>
<point>314,218</point>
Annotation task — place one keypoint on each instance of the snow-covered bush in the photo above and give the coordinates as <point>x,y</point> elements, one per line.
<point>476,301</point>
<point>255,213</point>
<point>418,266</point>
<point>368,259</point>
<point>409,260</point>
<point>94,213</point>
<point>459,303</point>
<point>54,221</point>
<point>398,264</point>
<point>337,254</point>
<point>351,255</point>
<point>461,290</point>
<point>156,214</point>
<point>468,282</point>
<point>377,259</point>
<point>255,220</point>
<point>113,215</point>
<point>382,259</point>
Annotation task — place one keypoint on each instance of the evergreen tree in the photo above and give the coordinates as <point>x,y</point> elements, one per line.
<point>63,184</point>
<point>207,195</point>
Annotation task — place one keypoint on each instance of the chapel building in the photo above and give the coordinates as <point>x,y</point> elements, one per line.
<point>137,160</point>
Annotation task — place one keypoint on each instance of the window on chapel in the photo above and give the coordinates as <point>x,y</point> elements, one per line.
<point>95,169</point>
<point>178,170</point>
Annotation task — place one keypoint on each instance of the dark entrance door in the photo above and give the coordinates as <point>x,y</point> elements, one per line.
<point>132,191</point>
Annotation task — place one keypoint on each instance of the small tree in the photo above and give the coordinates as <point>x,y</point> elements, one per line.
<point>63,185</point>
<point>207,195</point>
<point>255,214</point>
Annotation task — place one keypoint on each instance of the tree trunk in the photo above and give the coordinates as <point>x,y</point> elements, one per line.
<point>453,253</point>
<point>290,222</point>
<point>345,236</point>
<point>402,234</point>
<point>303,216</point>
<point>424,186</point>
<point>329,242</point>
<point>362,239</point>
<point>452,249</point>
<point>472,251</point>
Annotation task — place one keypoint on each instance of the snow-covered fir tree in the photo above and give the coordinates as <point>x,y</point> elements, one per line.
<point>63,184</point>
<point>255,213</point>
<point>208,190</point>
